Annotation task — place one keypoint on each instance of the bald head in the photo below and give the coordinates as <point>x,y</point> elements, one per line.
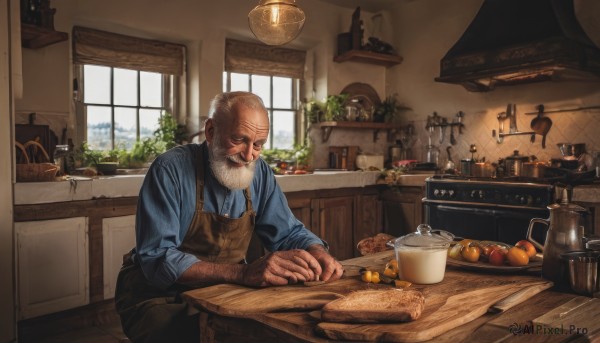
<point>225,106</point>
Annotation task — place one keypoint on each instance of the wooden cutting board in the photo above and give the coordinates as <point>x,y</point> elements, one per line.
<point>461,297</point>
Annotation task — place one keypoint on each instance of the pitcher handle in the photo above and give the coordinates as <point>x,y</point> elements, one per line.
<point>530,231</point>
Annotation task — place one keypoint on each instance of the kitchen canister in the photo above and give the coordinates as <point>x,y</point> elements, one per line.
<point>583,271</point>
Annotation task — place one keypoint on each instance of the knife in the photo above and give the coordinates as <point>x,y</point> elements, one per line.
<point>518,297</point>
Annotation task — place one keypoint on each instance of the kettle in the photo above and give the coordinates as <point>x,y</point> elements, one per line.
<point>564,234</point>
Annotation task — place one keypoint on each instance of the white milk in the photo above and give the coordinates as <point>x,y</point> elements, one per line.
<point>423,266</point>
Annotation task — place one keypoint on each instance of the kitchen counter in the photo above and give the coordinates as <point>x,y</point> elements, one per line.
<point>500,307</point>
<point>84,188</point>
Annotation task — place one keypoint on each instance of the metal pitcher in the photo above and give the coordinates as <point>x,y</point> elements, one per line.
<point>564,234</point>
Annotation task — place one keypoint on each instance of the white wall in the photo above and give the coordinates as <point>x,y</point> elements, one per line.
<point>424,30</point>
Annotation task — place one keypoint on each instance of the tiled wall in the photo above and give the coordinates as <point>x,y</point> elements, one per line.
<point>567,127</point>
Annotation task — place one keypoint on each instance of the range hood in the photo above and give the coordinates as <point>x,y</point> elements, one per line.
<point>521,41</point>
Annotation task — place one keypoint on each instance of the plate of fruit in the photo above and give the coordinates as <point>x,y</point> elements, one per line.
<point>493,256</point>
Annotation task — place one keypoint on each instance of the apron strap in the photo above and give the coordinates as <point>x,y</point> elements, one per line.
<point>200,178</point>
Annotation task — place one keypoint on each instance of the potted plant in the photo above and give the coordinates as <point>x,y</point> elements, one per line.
<point>388,110</point>
<point>335,107</point>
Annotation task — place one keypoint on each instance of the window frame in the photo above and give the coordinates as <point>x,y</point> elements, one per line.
<point>295,96</point>
<point>167,100</point>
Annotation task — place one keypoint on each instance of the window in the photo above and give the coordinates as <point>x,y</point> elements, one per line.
<point>279,95</point>
<point>122,105</point>
<point>122,85</point>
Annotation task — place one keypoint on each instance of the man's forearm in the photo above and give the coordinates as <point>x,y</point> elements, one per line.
<point>207,273</point>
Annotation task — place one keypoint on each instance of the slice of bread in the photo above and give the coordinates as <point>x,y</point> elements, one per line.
<point>375,306</point>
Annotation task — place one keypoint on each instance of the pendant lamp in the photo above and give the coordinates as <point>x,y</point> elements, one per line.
<point>276,22</point>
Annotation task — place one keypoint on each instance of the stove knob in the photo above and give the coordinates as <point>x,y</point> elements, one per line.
<point>436,192</point>
<point>451,193</point>
<point>443,193</point>
<point>480,194</point>
<point>473,193</point>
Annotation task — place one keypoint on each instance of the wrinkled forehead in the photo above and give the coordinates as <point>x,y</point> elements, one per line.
<point>248,119</point>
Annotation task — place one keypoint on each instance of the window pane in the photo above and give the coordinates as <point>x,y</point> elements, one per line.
<point>224,81</point>
<point>125,87</point>
<point>148,122</point>
<point>282,92</point>
<point>150,89</point>
<point>239,82</point>
<point>125,127</point>
<point>261,86</point>
<point>96,83</point>
<point>283,129</point>
<point>99,127</point>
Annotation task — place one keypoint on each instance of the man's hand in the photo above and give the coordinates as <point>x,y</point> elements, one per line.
<point>281,268</point>
<point>331,269</point>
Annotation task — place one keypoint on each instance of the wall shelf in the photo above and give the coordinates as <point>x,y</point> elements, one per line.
<point>35,37</point>
<point>328,126</point>
<point>365,56</point>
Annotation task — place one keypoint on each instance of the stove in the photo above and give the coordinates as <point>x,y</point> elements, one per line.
<point>488,209</point>
<point>506,192</point>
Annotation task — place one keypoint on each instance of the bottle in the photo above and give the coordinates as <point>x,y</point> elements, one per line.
<point>59,157</point>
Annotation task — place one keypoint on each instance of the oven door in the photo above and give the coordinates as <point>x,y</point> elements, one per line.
<point>481,222</point>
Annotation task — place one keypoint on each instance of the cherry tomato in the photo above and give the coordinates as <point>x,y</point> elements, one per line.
<point>454,251</point>
<point>471,253</point>
<point>517,257</point>
<point>527,246</point>
<point>497,257</point>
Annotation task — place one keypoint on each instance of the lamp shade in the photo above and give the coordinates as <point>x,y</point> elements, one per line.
<point>276,22</point>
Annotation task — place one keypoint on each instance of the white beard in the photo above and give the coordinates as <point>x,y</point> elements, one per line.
<point>228,176</point>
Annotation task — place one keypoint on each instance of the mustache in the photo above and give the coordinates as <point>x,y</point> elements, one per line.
<point>237,159</point>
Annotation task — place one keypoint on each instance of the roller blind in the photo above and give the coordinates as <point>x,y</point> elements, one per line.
<point>251,58</point>
<point>91,46</point>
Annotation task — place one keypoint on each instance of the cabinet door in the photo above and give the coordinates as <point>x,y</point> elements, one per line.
<point>368,219</point>
<point>333,222</point>
<point>301,209</point>
<point>118,237</point>
<point>403,210</point>
<point>52,265</point>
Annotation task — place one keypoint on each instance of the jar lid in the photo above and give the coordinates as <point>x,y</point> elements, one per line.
<point>425,237</point>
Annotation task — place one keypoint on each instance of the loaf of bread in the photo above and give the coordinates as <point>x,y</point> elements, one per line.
<point>371,245</point>
<point>375,306</point>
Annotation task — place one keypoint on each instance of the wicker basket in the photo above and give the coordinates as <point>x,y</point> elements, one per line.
<point>35,172</point>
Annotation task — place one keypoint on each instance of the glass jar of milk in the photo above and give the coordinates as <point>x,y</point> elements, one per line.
<point>421,255</point>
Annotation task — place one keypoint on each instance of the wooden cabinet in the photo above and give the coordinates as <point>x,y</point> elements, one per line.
<point>402,209</point>
<point>52,265</point>
<point>118,237</point>
<point>333,221</point>
<point>342,217</point>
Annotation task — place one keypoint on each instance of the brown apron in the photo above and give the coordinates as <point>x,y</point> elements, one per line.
<point>150,314</point>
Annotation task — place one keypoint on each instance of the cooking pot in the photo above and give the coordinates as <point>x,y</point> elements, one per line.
<point>422,255</point>
<point>465,166</point>
<point>571,151</point>
<point>534,169</point>
<point>482,169</point>
<point>514,163</point>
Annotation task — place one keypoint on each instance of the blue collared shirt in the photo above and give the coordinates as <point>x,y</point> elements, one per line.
<point>167,203</point>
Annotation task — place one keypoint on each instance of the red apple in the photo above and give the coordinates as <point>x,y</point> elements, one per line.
<point>527,246</point>
<point>497,257</point>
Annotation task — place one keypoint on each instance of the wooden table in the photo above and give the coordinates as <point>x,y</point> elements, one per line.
<point>236,313</point>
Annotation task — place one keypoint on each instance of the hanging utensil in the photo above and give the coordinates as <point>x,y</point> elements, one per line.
<point>443,125</point>
<point>452,138</point>
<point>460,116</point>
<point>450,167</point>
<point>541,125</point>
